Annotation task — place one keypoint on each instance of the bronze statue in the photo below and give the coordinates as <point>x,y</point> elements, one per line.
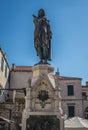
<point>42,37</point>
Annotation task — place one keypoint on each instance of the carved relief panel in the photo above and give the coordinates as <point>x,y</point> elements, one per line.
<point>43,97</point>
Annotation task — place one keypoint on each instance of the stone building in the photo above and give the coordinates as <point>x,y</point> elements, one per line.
<point>4,84</point>
<point>71,92</point>
<point>74,96</point>
<point>85,100</point>
<point>4,75</point>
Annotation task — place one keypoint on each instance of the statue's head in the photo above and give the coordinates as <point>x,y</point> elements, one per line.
<point>41,13</point>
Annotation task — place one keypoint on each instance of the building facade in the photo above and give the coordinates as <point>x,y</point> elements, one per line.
<point>14,81</point>
<point>4,75</point>
<point>74,95</point>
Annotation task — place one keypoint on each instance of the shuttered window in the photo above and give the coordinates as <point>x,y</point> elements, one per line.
<point>5,71</point>
<point>70,89</point>
<point>2,64</point>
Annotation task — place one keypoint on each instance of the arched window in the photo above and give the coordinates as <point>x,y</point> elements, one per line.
<point>86,113</point>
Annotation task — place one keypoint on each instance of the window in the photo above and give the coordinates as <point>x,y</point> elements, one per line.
<point>70,90</point>
<point>86,113</point>
<point>2,64</point>
<point>71,111</point>
<point>0,90</point>
<point>5,71</point>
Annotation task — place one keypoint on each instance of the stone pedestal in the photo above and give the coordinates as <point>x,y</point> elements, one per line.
<point>42,99</point>
<point>40,70</point>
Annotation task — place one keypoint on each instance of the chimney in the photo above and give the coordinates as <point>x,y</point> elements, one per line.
<point>13,66</point>
<point>57,73</point>
<point>86,83</point>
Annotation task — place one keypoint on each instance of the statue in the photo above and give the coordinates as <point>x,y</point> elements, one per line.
<point>42,37</point>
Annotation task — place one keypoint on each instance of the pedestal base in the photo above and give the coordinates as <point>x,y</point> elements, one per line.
<point>32,120</point>
<point>38,117</point>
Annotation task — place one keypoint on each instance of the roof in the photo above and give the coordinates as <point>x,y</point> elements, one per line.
<point>76,122</point>
<point>4,55</point>
<point>21,68</point>
<point>67,78</point>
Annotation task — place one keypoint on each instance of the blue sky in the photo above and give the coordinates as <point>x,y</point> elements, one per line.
<point>69,25</point>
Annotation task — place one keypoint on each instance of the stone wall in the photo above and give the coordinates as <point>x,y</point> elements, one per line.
<point>75,100</point>
<point>3,79</point>
<point>19,79</point>
<point>4,83</point>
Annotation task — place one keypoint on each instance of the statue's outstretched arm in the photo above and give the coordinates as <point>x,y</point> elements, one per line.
<point>34,16</point>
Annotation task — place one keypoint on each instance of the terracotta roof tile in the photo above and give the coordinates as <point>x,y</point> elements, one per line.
<point>22,68</point>
<point>73,78</point>
<point>67,78</point>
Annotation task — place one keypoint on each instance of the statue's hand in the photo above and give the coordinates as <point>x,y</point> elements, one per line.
<point>34,16</point>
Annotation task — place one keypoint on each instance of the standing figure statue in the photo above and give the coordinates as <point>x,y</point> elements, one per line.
<point>42,37</point>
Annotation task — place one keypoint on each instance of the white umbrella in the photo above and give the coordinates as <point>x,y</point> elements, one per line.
<point>76,123</point>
